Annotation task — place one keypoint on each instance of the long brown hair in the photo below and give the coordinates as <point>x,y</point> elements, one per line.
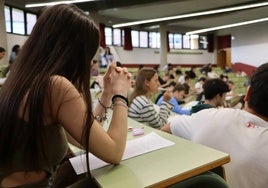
<point>145,73</point>
<point>63,42</point>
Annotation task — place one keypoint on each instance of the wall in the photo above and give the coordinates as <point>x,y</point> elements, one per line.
<point>250,43</point>
<point>152,56</point>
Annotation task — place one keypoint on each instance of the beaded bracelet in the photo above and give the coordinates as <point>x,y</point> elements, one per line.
<point>101,119</point>
<point>105,107</point>
<point>121,97</point>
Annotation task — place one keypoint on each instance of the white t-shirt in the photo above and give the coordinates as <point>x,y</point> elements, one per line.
<point>181,79</point>
<point>241,134</point>
<point>198,87</point>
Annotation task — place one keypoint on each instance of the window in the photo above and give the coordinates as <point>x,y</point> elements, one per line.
<point>203,42</point>
<point>154,40</point>
<point>30,21</point>
<point>194,41</point>
<point>186,41</point>
<point>117,37</point>
<point>144,39</point>
<point>135,38</point>
<point>177,41</point>
<point>18,21</point>
<point>8,19</point>
<point>108,35</point>
<point>171,40</point>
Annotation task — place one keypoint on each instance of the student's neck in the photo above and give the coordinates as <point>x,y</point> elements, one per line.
<point>250,110</point>
<point>148,95</point>
<point>210,102</point>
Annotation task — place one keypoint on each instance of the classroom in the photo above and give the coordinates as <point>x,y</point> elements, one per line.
<point>134,93</point>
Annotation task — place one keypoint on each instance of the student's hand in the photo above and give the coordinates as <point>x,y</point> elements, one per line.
<point>167,95</point>
<point>121,81</point>
<point>166,128</point>
<point>107,82</point>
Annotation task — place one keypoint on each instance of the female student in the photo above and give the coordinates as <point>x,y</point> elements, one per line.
<point>141,107</point>
<point>47,95</point>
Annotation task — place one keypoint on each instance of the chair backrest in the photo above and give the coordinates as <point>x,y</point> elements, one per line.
<point>205,180</point>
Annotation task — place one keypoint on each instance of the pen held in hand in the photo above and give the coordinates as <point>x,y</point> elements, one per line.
<point>162,89</point>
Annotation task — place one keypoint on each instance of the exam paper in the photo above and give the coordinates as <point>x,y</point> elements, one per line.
<point>135,147</point>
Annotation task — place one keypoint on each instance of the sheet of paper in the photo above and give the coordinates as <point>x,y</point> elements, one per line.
<point>135,147</point>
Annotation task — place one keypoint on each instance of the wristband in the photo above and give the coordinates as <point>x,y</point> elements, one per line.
<point>121,97</point>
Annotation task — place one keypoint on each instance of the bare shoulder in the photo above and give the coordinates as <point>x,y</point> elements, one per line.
<point>60,83</point>
<point>61,87</point>
<point>59,80</point>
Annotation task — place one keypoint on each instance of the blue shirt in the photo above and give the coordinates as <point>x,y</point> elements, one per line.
<point>176,107</point>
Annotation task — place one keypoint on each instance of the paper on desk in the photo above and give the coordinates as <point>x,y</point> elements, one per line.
<point>135,147</point>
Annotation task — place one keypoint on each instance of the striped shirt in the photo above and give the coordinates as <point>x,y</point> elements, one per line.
<point>142,110</point>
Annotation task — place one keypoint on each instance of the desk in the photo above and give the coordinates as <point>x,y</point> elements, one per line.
<point>162,167</point>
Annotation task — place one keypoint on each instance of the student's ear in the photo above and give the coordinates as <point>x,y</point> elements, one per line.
<point>146,82</point>
<point>247,96</point>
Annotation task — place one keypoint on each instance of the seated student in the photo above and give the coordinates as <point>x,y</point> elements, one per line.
<point>215,91</point>
<point>46,100</point>
<point>191,73</point>
<point>206,68</point>
<point>199,88</point>
<point>141,107</point>
<point>241,133</point>
<point>177,95</point>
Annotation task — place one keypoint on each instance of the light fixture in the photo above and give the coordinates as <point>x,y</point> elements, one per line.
<point>56,3</point>
<point>226,26</point>
<point>192,14</point>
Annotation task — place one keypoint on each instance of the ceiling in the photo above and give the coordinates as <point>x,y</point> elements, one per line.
<point>120,11</point>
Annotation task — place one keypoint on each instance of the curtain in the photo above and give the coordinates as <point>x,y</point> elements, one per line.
<point>224,42</point>
<point>127,39</point>
<point>210,43</point>
<point>102,35</point>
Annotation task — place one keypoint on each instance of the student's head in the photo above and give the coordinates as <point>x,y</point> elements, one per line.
<point>202,79</point>
<point>171,85</point>
<point>2,52</point>
<point>186,79</point>
<point>178,92</point>
<point>257,95</point>
<point>16,48</point>
<point>215,89</point>
<point>107,50</point>
<point>146,82</point>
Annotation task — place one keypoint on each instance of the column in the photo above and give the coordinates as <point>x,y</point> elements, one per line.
<point>3,34</point>
<point>163,45</point>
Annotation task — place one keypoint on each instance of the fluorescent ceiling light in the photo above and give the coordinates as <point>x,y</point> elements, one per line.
<point>56,3</point>
<point>192,14</point>
<point>226,26</point>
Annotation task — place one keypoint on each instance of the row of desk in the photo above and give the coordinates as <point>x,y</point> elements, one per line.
<point>162,167</point>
